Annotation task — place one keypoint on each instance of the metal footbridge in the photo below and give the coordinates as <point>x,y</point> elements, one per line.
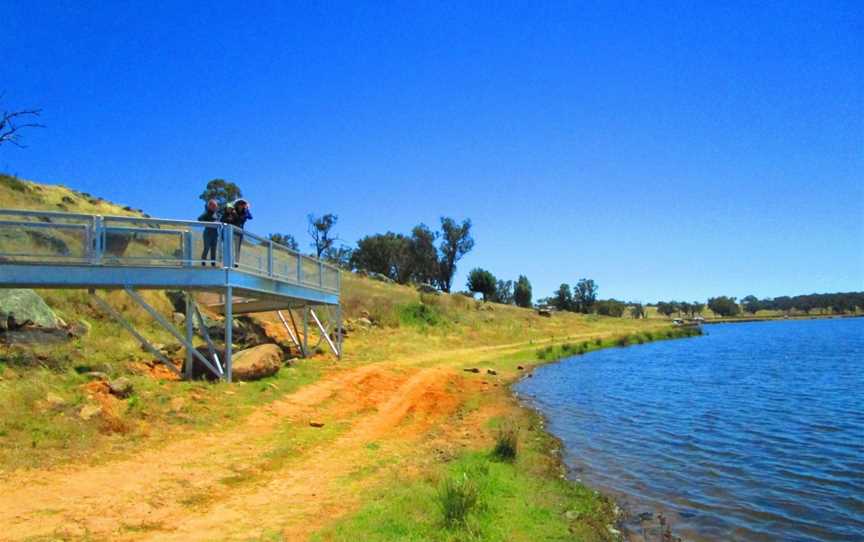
<point>240,273</point>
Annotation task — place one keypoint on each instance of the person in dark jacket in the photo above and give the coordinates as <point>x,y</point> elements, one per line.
<point>236,214</point>
<point>211,234</point>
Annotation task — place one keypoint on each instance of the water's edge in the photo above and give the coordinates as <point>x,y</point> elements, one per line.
<point>619,530</point>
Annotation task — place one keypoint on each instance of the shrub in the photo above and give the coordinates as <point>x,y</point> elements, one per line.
<point>506,443</point>
<point>457,497</point>
<point>419,314</point>
<point>624,340</point>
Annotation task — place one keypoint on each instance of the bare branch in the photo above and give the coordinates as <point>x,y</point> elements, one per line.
<point>10,129</point>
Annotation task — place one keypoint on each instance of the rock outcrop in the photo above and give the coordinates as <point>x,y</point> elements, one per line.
<point>257,362</point>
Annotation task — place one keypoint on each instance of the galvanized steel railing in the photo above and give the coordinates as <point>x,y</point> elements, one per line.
<point>48,237</point>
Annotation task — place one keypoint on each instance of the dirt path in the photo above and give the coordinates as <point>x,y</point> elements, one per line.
<point>272,474</point>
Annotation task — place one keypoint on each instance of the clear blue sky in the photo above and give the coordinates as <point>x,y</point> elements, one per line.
<point>673,150</point>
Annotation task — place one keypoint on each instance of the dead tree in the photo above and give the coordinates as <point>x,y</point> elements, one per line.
<point>12,122</point>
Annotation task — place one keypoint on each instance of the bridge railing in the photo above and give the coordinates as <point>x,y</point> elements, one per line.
<point>48,237</point>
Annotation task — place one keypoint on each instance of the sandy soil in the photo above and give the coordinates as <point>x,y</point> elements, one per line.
<point>385,419</point>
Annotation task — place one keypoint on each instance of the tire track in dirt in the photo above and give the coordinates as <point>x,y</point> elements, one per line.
<point>140,497</point>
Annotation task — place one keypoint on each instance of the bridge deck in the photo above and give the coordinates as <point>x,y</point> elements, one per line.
<point>42,249</point>
<point>45,249</point>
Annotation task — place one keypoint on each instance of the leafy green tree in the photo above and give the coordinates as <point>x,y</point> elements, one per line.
<point>504,292</point>
<point>456,241</point>
<point>482,281</point>
<point>685,308</point>
<point>285,239</point>
<point>751,304</point>
<point>562,299</point>
<point>724,306</point>
<point>320,230</point>
<point>423,255</point>
<point>585,295</point>
<point>340,256</point>
<point>387,254</point>
<point>522,292</point>
<point>610,307</point>
<point>637,311</point>
<point>666,309</point>
<point>222,191</point>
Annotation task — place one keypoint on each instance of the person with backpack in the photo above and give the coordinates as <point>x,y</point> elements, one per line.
<point>236,214</point>
<point>211,233</point>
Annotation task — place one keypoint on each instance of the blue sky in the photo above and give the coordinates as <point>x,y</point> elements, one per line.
<point>675,150</point>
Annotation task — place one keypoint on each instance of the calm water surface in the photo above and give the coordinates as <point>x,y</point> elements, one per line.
<point>752,432</point>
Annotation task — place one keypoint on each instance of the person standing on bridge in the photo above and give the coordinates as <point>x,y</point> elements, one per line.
<point>211,234</point>
<point>236,214</point>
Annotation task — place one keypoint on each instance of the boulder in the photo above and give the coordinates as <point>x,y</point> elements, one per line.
<point>25,305</point>
<point>428,289</point>
<point>179,318</point>
<point>381,277</point>
<point>257,362</point>
<point>545,313</point>
<point>120,387</point>
<point>364,322</point>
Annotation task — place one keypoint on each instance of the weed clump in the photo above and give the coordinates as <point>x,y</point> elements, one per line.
<point>506,444</point>
<point>420,315</point>
<point>457,497</point>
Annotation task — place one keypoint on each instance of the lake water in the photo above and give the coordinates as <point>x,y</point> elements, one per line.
<point>754,431</point>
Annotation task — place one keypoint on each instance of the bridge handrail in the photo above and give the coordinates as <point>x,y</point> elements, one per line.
<point>98,232</point>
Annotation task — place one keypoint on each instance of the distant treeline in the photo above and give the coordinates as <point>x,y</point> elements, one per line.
<point>726,306</point>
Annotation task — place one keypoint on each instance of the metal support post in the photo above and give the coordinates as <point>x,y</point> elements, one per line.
<point>170,329</point>
<point>306,331</point>
<point>270,259</point>
<point>190,303</point>
<point>228,246</point>
<point>143,340</point>
<point>339,331</point>
<point>290,331</point>
<point>324,333</point>
<point>229,331</point>
<point>202,327</point>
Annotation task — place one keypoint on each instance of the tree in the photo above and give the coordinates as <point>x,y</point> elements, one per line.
<point>637,311</point>
<point>482,281</point>
<point>222,191</point>
<point>585,295</point>
<point>685,308</point>
<point>504,292</point>
<point>522,292</point>
<point>751,304</point>
<point>320,231</point>
<point>562,299</point>
<point>423,255</point>
<point>456,241</point>
<point>285,239</point>
<point>611,307</point>
<point>12,122</point>
<point>666,309</point>
<point>340,256</point>
<point>696,308</point>
<point>724,306</point>
<point>387,254</point>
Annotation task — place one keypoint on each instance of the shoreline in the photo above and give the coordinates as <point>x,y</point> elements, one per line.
<point>618,529</point>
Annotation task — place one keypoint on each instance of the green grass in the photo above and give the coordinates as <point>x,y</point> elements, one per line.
<point>33,433</point>
<point>558,351</point>
<point>476,497</point>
